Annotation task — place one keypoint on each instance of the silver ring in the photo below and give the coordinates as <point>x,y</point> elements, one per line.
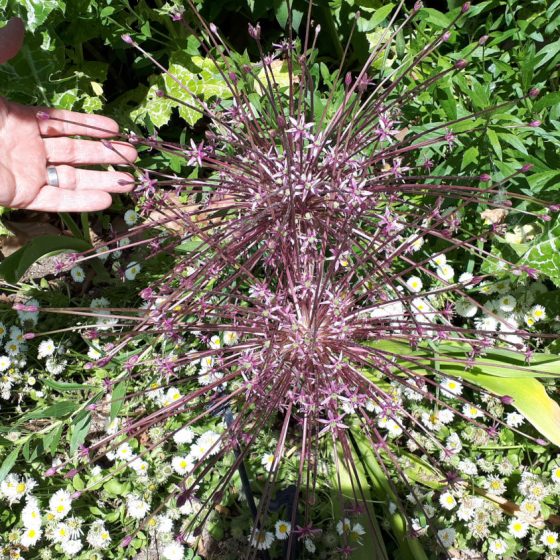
<point>52,177</point>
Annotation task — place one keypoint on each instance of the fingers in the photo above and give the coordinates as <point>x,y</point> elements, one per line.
<point>11,39</point>
<point>88,152</point>
<point>69,123</point>
<point>55,199</point>
<point>70,178</point>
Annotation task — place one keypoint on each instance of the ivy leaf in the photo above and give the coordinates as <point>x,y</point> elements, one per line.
<point>544,254</point>
<point>158,109</point>
<point>39,11</point>
<point>199,78</point>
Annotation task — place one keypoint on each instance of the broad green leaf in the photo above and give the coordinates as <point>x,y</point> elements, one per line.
<point>529,398</point>
<point>544,254</point>
<point>345,481</point>
<point>409,548</point>
<point>14,267</point>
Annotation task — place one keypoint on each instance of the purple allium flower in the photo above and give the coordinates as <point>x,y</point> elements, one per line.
<point>303,297</point>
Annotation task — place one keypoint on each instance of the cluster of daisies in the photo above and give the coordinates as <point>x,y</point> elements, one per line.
<point>18,377</point>
<point>51,527</point>
<point>472,511</point>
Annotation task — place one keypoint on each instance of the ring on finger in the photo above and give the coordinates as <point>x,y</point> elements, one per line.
<point>52,176</point>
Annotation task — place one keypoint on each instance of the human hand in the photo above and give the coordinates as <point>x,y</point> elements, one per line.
<point>29,144</point>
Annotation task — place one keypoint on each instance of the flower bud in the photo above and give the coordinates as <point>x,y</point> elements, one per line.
<point>50,471</point>
<point>535,124</point>
<point>42,115</point>
<point>127,38</point>
<point>160,93</point>
<point>483,39</point>
<point>465,7</point>
<point>533,92</point>
<point>461,63</point>
<point>541,441</point>
<point>255,31</point>
<point>213,28</point>
<point>485,178</point>
<point>348,79</point>
<point>71,473</point>
<point>446,35</point>
<point>75,495</point>
<point>126,541</point>
<point>418,6</point>
<point>527,167</point>
<point>29,336</point>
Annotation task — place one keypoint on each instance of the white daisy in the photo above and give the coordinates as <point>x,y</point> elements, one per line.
<point>414,284</point>
<point>447,501</point>
<point>78,274</point>
<point>174,551</point>
<point>130,217</point>
<point>282,530</point>
<point>498,547</point>
<point>550,539</point>
<point>132,270</point>
<point>518,528</point>
<point>451,387</point>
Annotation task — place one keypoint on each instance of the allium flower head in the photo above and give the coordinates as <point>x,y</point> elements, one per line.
<point>314,290</point>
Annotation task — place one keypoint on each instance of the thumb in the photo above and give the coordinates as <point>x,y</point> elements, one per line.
<point>11,39</point>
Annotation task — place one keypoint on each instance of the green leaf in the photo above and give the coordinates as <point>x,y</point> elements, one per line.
<point>8,463</point>
<point>158,109</point>
<point>63,386</point>
<point>378,16</point>
<point>539,180</point>
<point>544,254</point>
<point>117,399</point>
<point>14,267</point>
<point>197,77</point>
<point>58,410</point>
<point>494,142</point>
<point>435,17</point>
<point>548,100</point>
<point>114,487</point>
<point>551,50</point>
<point>80,431</point>
<point>514,141</point>
<point>529,398</point>
<point>39,10</point>
<point>52,439</point>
